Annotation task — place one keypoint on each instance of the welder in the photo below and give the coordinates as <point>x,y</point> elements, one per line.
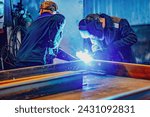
<point>41,43</point>
<point>108,38</point>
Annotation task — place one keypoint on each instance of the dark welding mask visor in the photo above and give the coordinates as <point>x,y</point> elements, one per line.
<point>95,28</point>
<point>83,29</point>
<point>83,24</point>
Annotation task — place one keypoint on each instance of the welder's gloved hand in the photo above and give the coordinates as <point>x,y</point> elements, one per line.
<point>49,59</point>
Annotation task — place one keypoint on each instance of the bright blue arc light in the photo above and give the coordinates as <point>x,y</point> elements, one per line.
<point>84,56</point>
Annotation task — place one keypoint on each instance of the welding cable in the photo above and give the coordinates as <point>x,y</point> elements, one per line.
<point>14,39</point>
<point>8,52</point>
<point>6,59</point>
<point>1,58</point>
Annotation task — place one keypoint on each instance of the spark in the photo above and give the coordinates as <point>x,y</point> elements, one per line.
<point>84,56</point>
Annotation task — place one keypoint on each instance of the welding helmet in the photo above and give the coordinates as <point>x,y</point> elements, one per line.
<point>91,25</point>
<point>83,29</point>
<point>94,26</point>
<point>48,6</point>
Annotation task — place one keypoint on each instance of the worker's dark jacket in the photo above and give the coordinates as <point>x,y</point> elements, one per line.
<point>119,37</point>
<point>39,38</point>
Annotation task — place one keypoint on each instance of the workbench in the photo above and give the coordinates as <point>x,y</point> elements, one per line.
<point>77,81</point>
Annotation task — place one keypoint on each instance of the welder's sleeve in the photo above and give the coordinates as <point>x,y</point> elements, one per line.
<point>127,36</point>
<point>55,30</point>
<point>61,54</point>
<point>87,45</point>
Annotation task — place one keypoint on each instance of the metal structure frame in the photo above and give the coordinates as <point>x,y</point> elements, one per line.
<point>32,82</point>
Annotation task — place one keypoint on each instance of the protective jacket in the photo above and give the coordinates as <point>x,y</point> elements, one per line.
<point>118,39</point>
<point>44,34</point>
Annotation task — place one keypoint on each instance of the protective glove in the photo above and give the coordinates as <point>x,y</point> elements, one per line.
<point>49,59</point>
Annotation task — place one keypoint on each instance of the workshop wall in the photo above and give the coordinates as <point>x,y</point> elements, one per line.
<point>31,5</point>
<point>73,11</point>
<point>136,11</point>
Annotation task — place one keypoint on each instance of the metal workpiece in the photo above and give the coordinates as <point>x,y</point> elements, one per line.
<point>40,85</point>
<point>109,67</point>
<point>77,80</point>
<point>39,70</point>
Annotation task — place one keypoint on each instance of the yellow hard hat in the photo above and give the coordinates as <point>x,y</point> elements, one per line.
<point>49,5</point>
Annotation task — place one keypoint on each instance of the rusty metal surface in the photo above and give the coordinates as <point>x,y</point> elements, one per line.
<point>19,81</point>
<point>40,70</point>
<point>102,79</point>
<point>99,87</point>
<point>138,71</point>
<point>139,94</point>
<point>109,67</point>
<point>40,85</point>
